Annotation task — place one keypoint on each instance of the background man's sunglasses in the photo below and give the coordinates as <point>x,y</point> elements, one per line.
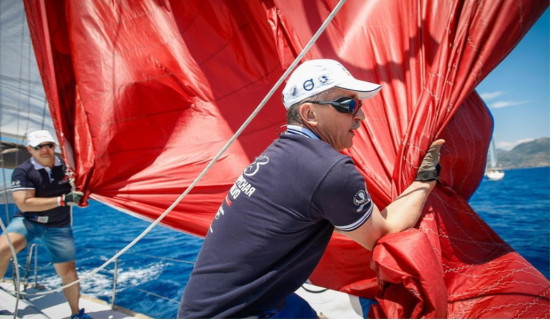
<point>40,146</point>
<point>343,104</point>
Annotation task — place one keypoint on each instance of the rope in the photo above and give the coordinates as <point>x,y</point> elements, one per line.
<point>16,264</point>
<point>39,268</point>
<point>156,295</point>
<point>217,156</point>
<point>162,258</point>
<point>5,189</point>
<point>314,291</point>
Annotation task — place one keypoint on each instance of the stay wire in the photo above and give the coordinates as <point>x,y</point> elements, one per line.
<point>217,156</point>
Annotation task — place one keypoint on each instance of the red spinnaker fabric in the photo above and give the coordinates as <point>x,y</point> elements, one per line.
<point>143,94</point>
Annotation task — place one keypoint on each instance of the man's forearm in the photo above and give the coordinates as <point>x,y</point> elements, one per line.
<point>37,204</point>
<point>404,212</point>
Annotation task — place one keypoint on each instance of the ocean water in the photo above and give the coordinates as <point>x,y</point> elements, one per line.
<point>517,209</point>
<point>151,276</point>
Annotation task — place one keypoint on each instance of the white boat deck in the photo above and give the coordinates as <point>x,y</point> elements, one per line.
<point>327,303</point>
<point>330,304</point>
<point>54,306</point>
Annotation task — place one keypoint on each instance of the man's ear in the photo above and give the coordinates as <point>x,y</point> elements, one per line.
<point>308,114</point>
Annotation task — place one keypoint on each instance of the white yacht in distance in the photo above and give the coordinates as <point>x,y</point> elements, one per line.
<point>493,171</point>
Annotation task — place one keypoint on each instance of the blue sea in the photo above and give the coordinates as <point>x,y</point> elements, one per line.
<point>152,275</point>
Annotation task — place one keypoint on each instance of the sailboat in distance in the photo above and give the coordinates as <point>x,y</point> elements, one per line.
<point>493,170</point>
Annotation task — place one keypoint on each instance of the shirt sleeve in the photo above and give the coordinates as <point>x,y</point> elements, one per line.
<point>21,181</point>
<point>342,197</point>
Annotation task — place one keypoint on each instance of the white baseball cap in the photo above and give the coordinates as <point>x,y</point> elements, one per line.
<point>315,76</point>
<point>35,138</point>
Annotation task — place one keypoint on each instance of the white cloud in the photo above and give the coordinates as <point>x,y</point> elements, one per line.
<point>499,104</point>
<point>490,95</point>
<point>504,145</point>
<point>503,104</point>
<point>508,145</point>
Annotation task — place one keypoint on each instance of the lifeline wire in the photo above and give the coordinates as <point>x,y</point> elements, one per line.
<point>16,264</point>
<point>218,155</point>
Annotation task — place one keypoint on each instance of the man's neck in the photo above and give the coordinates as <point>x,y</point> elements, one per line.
<point>42,163</point>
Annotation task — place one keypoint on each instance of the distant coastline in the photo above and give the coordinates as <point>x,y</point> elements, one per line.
<point>531,154</point>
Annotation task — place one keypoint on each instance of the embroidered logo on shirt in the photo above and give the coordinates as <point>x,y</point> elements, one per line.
<point>16,184</point>
<point>361,199</point>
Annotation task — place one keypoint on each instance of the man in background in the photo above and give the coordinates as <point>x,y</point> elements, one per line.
<point>42,193</point>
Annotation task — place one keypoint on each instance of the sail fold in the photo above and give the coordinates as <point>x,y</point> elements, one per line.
<point>143,95</point>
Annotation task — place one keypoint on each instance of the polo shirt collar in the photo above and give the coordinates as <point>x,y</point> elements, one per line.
<point>294,129</point>
<point>38,166</point>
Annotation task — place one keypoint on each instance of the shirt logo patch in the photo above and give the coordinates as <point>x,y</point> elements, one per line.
<point>16,184</point>
<point>361,199</point>
<point>253,168</point>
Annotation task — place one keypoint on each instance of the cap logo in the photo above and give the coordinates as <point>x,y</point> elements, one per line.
<point>323,79</point>
<point>308,85</point>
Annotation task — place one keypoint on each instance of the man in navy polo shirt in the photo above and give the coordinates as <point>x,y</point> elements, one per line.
<point>276,221</point>
<point>42,192</point>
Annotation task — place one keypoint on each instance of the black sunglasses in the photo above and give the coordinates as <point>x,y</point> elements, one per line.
<point>40,146</point>
<point>343,104</point>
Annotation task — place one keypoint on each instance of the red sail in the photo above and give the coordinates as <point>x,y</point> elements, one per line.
<point>143,94</point>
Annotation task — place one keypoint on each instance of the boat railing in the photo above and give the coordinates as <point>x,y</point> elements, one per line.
<point>115,276</point>
<point>30,256</point>
<point>32,260</point>
<point>32,267</point>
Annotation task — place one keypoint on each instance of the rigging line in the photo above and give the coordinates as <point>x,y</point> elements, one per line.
<point>314,291</point>
<point>162,258</point>
<point>16,269</point>
<point>29,81</point>
<point>157,295</point>
<point>5,188</point>
<point>19,90</point>
<point>44,113</point>
<point>38,269</point>
<point>217,156</point>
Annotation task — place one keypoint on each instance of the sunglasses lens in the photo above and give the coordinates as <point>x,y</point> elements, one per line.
<point>351,105</point>
<point>357,106</point>
<point>49,145</point>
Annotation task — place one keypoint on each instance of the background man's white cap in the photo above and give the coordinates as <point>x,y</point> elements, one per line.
<point>315,76</point>
<point>35,138</point>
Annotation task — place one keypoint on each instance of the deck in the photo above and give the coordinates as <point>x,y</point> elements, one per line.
<point>54,306</point>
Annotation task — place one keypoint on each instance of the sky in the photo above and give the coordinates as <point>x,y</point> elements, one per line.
<point>517,90</point>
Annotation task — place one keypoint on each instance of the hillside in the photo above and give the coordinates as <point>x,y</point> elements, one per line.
<point>530,154</point>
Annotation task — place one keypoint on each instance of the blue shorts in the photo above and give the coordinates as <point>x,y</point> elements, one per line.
<point>58,241</point>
